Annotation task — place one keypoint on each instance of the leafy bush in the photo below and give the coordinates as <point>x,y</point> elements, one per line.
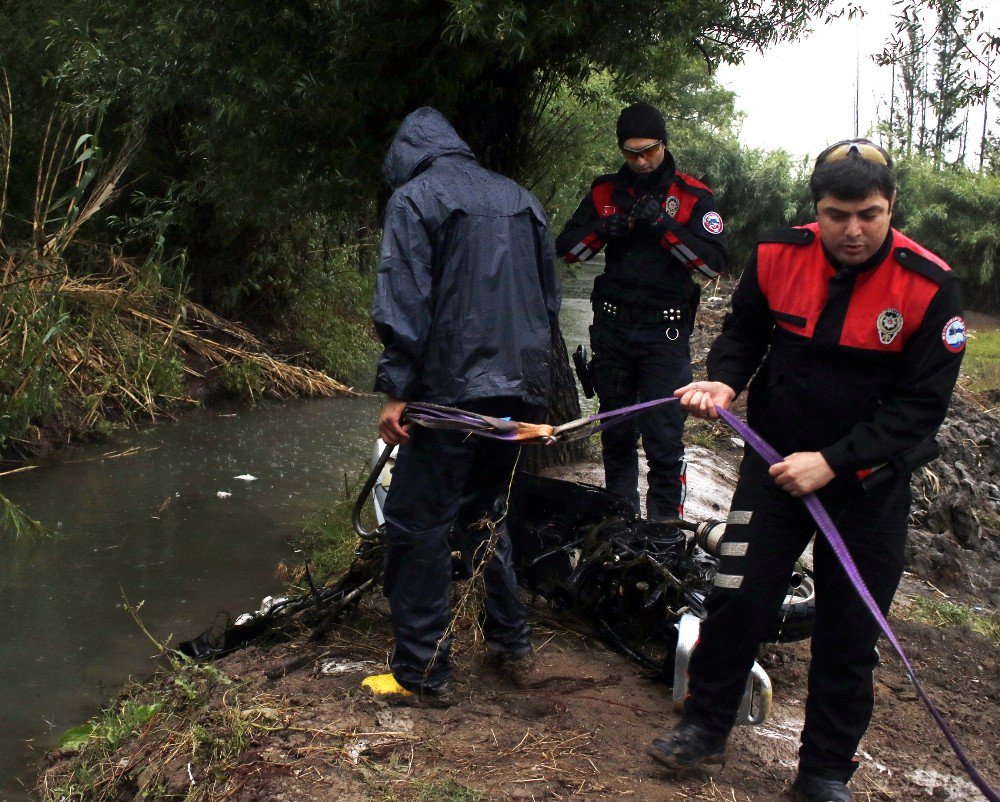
<point>31,323</point>
<point>955,213</point>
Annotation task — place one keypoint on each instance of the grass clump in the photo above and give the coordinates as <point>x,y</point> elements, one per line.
<point>329,538</point>
<point>180,736</point>
<point>243,380</point>
<point>941,613</point>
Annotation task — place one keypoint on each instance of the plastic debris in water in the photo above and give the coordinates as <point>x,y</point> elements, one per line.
<point>223,494</point>
<point>246,477</point>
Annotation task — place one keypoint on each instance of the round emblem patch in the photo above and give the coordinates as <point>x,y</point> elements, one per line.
<point>712,222</point>
<point>953,335</point>
<point>889,324</point>
<point>672,205</point>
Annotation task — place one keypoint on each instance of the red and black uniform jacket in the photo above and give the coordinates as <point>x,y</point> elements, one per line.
<point>649,269</point>
<point>858,362</point>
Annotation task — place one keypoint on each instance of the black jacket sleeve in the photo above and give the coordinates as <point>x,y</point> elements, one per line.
<point>579,240</point>
<point>919,403</point>
<point>701,243</point>
<point>746,334</point>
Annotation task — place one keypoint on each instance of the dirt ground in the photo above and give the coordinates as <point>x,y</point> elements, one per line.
<point>578,731</point>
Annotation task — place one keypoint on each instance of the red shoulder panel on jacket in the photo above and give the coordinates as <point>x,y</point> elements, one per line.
<point>693,183</point>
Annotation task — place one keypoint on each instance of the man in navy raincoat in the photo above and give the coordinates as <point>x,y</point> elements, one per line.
<point>465,304</point>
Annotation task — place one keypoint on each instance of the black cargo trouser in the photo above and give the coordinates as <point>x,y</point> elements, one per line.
<point>445,480</point>
<point>633,364</point>
<point>751,583</point>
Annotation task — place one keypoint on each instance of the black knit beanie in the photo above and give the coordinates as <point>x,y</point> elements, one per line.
<point>641,121</point>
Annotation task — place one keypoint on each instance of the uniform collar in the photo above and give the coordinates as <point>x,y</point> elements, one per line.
<point>872,261</point>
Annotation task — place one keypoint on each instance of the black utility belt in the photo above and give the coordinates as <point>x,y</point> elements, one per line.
<point>677,317</point>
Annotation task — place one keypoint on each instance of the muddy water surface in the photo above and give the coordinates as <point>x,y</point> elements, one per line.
<point>154,526</point>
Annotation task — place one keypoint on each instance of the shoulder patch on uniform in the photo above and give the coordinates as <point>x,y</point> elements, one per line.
<point>788,236</point>
<point>953,335</point>
<point>912,260</point>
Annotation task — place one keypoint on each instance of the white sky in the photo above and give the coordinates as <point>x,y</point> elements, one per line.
<point>800,95</point>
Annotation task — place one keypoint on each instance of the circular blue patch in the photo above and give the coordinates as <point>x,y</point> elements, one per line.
<point>712,221</point>
<point>953,335</point>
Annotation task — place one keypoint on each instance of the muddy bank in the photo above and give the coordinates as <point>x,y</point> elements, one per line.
<point>955,525</point>
<point>246,730</point>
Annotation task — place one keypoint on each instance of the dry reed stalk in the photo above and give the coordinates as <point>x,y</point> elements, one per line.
<point>48,175</point>
<point>282,380</point>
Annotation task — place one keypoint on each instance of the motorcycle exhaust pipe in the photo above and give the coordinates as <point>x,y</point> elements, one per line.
<point>755,706</point>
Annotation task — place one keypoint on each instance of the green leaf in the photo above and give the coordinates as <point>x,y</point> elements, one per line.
<point>84,156</point>
<point>77,737</point>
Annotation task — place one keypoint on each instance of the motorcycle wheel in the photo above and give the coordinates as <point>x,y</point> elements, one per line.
<point>798,610</point>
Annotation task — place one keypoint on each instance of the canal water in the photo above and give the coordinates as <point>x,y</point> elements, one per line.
<point>158,518</point>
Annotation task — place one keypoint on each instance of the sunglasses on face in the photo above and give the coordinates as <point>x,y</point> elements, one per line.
<point>634,153</point>
<point>867,150</point>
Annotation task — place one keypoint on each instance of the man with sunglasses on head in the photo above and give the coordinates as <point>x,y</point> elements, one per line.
<point>853,334</point>
<point>658,228</point>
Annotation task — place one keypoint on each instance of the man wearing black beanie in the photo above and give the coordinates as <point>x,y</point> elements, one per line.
<point>660,228</point>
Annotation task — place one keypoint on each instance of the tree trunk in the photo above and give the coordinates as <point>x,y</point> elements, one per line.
<point>563,406</point>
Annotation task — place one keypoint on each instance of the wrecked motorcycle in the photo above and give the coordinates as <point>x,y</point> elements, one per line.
<point>640,585</point>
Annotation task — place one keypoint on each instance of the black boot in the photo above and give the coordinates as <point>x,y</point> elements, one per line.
<point>689,745</point>
<point>809,788</point>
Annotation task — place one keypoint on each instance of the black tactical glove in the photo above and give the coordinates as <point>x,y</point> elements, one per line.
<point>649,211</point>
<point>613,227</point>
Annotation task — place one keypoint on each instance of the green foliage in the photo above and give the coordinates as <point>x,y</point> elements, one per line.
<point>184,718</point>
<point>329,538</point>
<point>261,116</point>
<point>113,727</point>
<point>325,283</point>
<point>13,519</point>
<point>32,322</point>
<point>756,190</point>
<point>242,380</point>
<point>955,213</point>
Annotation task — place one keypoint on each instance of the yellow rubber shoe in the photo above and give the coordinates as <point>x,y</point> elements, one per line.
<point>384,685</point>
<point>385,688</point>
